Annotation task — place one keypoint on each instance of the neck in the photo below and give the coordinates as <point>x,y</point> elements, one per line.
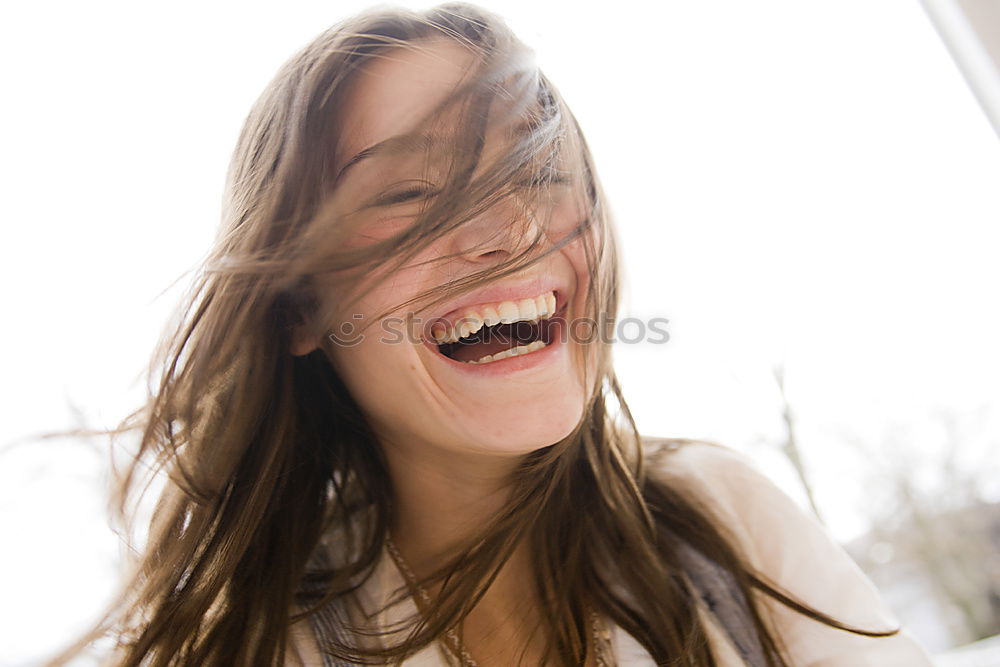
<point>443,498</point>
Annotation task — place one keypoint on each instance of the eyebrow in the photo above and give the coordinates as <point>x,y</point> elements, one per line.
<point>401,143</point>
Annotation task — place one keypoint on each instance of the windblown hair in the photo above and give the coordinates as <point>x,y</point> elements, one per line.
<point>264,452</point>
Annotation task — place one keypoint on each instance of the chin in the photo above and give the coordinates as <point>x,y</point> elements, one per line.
<point>527,431</point>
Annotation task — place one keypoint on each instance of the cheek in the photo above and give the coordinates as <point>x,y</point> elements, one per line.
<point>565,212</point>
<point>376,229</point>
<point>568,214</point>
<point>376,334</point>
<point>369,298</point>
<point>371,340</point>
<point>377,369</point>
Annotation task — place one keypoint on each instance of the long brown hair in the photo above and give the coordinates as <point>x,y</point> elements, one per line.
<point>264,452</point>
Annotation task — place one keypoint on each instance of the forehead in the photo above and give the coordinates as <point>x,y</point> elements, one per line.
<point>392,93</point>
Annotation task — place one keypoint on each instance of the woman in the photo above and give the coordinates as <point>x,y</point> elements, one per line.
<point>389,418</point>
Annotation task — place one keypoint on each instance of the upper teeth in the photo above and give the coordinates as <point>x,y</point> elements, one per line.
<point>541,307</point>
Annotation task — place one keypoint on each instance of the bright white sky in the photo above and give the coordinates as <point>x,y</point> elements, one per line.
<point>801,182</point>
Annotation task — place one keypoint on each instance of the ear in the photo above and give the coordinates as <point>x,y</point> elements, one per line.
<point>303,340</point>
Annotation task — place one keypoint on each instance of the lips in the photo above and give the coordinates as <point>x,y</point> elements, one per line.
<point>485,329</point>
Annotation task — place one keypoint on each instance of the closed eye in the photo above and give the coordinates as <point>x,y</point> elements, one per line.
<point>417,190</point>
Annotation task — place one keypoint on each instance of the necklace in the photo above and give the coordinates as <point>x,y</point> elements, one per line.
<point>602,636</point>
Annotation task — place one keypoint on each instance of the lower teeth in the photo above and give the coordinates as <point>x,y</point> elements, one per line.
<point>513,352</point>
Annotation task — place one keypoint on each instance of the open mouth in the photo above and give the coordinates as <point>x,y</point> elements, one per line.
<point>495,331</point>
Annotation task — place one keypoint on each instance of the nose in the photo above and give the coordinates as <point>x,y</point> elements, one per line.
<point>504,230</point>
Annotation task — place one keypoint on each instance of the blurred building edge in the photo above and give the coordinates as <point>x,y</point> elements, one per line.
<point>940,573</point>
<point>971,31</point>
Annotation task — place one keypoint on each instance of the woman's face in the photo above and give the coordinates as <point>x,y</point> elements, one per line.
<point>416,392</point>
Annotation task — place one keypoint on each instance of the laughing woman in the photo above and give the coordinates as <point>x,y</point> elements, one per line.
<point>385,415</point>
